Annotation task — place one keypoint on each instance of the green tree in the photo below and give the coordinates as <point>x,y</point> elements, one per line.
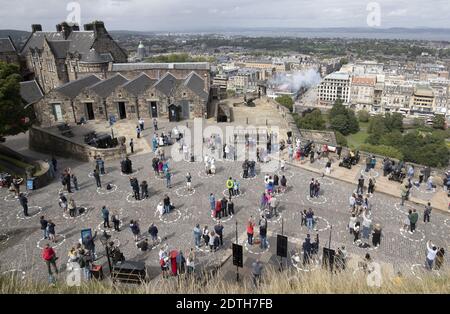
<point>439,122</point>
<point>311,121</point>
<point>285,101</point>
<point>394,121</point>
<point>363,116</point>
<point>340,123</point>
<point>337,109</point>
<point>14,118</point>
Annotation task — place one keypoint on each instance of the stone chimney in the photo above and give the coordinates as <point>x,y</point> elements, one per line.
<point>75,27</point>
<point>36,28</point>
<point>97,26</point>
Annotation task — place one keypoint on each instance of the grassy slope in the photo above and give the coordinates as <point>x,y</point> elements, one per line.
<point>275,283</point>
<point>356,140</point>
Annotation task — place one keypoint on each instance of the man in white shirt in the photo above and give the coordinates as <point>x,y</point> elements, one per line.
<point>431,255</point>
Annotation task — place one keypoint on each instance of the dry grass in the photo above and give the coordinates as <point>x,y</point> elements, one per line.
<point>317,282</point>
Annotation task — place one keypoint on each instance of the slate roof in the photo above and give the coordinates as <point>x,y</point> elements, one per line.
<point>31,92</point>
<point>6,45</point>
<point>197,85</point>
<point>139,84</point>
<point>117,67</point>
<point>59,48</point>
<point>106,87</point>
<point>79,41</point>
<point>93,57</point>
<point>167,84</point>
<point>72,89</point>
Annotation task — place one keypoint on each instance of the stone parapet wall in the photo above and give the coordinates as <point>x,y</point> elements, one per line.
<point>46,142</point>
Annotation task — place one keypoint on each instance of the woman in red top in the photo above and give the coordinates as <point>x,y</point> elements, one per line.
<point>49,256</point>
<point>250,231</point>
<point>218,210</point>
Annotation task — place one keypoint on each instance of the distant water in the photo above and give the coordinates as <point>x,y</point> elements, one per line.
<point>368,33</point>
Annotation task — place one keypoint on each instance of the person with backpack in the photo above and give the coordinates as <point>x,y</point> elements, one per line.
<point>307,249</point>
<point>413,218</point>
<point>62,202</point>
<point>89,244</point>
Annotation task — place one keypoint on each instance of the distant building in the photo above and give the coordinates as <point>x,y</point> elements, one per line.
<point>363,92</point>
<point>141,53</point>
<point>333,87</point>
<point>423,101</point>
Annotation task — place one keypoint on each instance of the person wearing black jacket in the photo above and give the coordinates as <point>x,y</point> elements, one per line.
<point>135,185</point>
<point>230,207</point>
<point>144,190</point>
<point>44,224</point>
<point>223,207</point>
<point>24,203</point>
<point>218,229</point>
<point>97,178</point>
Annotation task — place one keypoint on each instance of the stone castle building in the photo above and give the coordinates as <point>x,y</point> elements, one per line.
<point>86,75</point>
<point>91,98</point>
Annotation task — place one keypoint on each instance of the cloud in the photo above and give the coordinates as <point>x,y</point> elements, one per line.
<point>399,12</point>
<point>193,14</point>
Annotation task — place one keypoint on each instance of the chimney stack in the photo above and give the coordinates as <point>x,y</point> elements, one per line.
<point>97,26</point>
<point>36,28</point>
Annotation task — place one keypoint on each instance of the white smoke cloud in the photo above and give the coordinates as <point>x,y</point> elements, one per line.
<point>295,80</point>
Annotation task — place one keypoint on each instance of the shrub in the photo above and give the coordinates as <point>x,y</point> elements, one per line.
<point>363,116</point>
<point>341,139</point>
<point>382,150</point>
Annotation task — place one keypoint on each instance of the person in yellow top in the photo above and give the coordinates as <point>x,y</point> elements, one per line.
<point>230,185</point>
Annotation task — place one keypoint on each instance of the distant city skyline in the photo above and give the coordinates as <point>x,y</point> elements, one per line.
<point>190,15</point>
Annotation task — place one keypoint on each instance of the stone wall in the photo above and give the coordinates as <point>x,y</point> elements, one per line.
<point>48,143</point>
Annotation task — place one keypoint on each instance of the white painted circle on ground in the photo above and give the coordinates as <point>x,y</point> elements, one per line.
<point>272,220</point>
<point>91,175</point>
<point>372,173</point>
<point>183,192</point>
<point>407,235</point>
<point>203,175</point>
<point>166,220</point>
<point>227,195</point>
<point>15,271</point>
<point>3,238</point>
<point>325,181</point>
<point>297,260</point>
<point>248,178</point>
<point>135,172</point>
<point>418,269</point>
<point>130,199</point>
<point>20,215</point>
<point>60,239</point>
<point>447,222</point>
<point>12,197</point>
<point>424,191</point>
<point>66,213</point>
<point>102,191</point>
<point>63,191</point>
<point>317,200</point>
<point>403,209</point>
<point>224,220</point>
<point>287,173</point>
<point>253,251</point>
<point>327,223</point>
<point>102,229</point>
<point>369,248</point>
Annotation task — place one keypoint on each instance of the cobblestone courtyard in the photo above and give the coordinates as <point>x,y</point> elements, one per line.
<point>21,240</point>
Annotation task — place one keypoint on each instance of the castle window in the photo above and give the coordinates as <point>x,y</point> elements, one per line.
<point>133,109</point>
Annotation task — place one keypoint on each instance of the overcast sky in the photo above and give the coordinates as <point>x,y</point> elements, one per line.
<point>150,15</point>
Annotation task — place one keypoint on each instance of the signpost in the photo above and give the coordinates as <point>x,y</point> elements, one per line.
<point>238,259</point>
<point>112,121</point>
